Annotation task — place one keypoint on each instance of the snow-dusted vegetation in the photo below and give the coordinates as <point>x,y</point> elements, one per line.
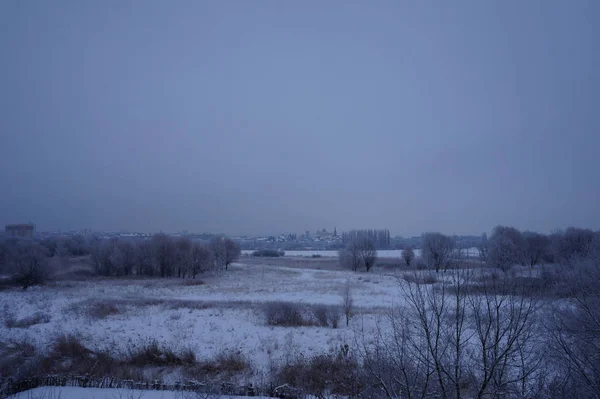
<point>440,325</point>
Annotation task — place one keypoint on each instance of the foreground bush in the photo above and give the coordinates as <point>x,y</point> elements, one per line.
<point>320,376</point>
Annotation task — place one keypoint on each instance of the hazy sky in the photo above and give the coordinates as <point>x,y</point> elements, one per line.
<point>271,116</point>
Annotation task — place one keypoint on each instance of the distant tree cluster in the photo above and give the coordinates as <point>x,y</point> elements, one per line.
<point>28,262</point>
<point>380,238</point>
<point>507,246</point>
<point>162,256</point>
<point>359,252</point>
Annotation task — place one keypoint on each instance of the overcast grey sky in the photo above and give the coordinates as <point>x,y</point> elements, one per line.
<point>270,116</point>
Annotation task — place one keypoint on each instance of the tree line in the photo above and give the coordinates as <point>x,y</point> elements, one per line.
<point>507,246</point>
<point>380,238</point>
<point>30,262</point>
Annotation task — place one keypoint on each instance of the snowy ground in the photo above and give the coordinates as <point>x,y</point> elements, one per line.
<point>108,393</point>
<point>224,313</point>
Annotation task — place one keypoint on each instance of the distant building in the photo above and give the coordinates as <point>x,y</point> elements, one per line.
<point>19,230</point>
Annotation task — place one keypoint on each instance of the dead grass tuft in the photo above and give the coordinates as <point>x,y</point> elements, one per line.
<point>192,283</point>
<point>69,346</point>
<point>225,364</point>
<point>284,314</point>
<point>427,278</point>
<point>10,321</point>
<point>155,354</point>
<point>102,310</point>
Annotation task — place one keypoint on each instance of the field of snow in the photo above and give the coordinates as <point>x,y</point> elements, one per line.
<point>225,313</point>
<point>109,393</point>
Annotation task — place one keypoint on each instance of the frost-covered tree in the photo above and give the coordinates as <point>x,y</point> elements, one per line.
<point>164,254</point>
<point>30,263</point>
<point>225,251</point>
<point>536,247</point>
<point>200,259</point>
<point>506,247</point>
<point>437,250</point>
<point>408,255</point>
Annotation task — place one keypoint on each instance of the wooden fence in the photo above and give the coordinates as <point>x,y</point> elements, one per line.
<point>11,387</point>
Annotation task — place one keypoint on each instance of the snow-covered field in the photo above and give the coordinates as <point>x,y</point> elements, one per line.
<point>224,313</point>
<point>110,393</point>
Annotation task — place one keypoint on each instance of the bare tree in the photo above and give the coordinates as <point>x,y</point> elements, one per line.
<point>452,342</point>
<point>408,255</point>
<point>506,247</point>
<point>4,254</point>
<point>225,251</point>
<point>507,354</point>
<point>350,256</point>
<point>200,259</point>
<point>164,253</point>
<point>127,257</point>
<point>437,250</point>
<point>575,328</point>
<point>347,302</point>
<point>483,248</point>
<point>30,262</point>
<point>573,245</point>
<point>183,247</point>
<point>367,251</point>
<point>104,258</point>
<point>144,258</point>
<point>536,247</point>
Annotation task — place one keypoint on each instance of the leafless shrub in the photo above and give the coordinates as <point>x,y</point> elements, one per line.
<point>153,353</point>
<point>193,283</point>
<point>319,376</point>
<point>69,346</point>
<point>225,364</point>
<point>10,321</point>
<point>326,316</point>
<point>230,361</point>
<point>347,302</point>
<point>284,314</point>
<point>18,359</point>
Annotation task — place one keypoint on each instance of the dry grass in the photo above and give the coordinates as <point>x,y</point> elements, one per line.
<point>154,354</point>
<point>192,283</point>
<point>10,321</point>
<point>426,278</point>
<point>95,309</point>
<point>288,314</point>
<point>225,364</point>
<point>284,314</point>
